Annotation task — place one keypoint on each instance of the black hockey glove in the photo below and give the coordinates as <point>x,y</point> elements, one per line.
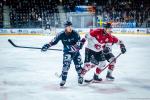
<point>78,46</point>
<point>81,43</point>
<point>75,48</point>
<point>106,50</point>
<point>45,47</point>
<point>123,49</point>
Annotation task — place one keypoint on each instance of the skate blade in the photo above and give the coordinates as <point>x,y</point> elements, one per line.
<point>63,87</point>
<point>94,81</point>
<point>108,79</point>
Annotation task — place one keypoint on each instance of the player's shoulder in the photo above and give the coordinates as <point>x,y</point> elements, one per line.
<point>74,31</point>
<point>111,35</point>
<point>61,33</point>
<point>97,30</point>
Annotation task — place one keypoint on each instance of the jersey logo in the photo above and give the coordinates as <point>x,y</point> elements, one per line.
<point>97,46</point>
<point>69,40</point>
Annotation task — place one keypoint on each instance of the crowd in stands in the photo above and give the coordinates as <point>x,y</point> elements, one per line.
<point>32,13</point>
<point>69,5</point>
<point>124,12</point>
<point>36,13</point>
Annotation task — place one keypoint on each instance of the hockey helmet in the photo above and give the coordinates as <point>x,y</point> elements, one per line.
<point>107,25</point>
<point>67,23</point>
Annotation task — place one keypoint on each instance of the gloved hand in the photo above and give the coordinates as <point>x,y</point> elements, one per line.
<point>78,45</point>
<point>45,47</point>
<point>106,50</point>
<point>75,48</point>
<point>123,49</point>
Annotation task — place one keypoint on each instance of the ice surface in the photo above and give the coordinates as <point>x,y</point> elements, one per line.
<point>27,74</point>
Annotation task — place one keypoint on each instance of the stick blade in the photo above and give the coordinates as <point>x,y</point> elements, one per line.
<point>11,42</point>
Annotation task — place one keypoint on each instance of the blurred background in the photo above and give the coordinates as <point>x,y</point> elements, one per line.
<point>83,13</point>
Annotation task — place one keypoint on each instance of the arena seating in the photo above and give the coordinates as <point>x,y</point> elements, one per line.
<point>37,13</point>
<point>32,13</point>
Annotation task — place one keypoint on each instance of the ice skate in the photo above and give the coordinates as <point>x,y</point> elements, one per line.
<point>96,79</point>
<point>109,76</point>
<point>62,83</point>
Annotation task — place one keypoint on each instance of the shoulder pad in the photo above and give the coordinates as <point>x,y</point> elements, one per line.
<point>74,31</point>
<point>60,33</point>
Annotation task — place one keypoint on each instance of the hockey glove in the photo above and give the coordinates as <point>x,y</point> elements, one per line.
<point>45,47</point>
<point>123,49</point>
<point>81,43</point>
<point>106,50</point>
<point>78,46</point>
<point>75,48</point>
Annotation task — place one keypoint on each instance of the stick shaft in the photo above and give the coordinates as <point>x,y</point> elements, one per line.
<point>13,44</point>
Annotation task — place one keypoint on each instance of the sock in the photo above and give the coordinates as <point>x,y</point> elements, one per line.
<point>110,69</point>
<point>98,71</point>
<point>85,68</point>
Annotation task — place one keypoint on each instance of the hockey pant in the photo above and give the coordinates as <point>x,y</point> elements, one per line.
<point>67,58</point>
<point>93,59</point>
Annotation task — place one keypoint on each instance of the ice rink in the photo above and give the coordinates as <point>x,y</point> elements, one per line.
<point>27,74</point>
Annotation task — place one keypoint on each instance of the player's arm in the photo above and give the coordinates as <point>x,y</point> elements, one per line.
<point>122,47</point>
<point>79,43</point>
<point>54,41</point>
<point>119,42</point>
<point>91,36</point>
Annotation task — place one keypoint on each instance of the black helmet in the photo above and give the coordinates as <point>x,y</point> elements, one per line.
<point>67,23</point>
<point>107,25</point>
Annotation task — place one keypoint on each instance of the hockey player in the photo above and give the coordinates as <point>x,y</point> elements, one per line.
<point>108,51</point>
<point>72,44</point>
<point>104,40</point>
<point>94,55</point>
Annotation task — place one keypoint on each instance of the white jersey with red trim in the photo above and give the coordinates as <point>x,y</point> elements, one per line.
<point>99,38</point>
<point>93,44</point>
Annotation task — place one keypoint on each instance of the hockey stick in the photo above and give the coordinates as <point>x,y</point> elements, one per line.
<point>13,44</point>
<point>58,75</point>
<point>112,61</point>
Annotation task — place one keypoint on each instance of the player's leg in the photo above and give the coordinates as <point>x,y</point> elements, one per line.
<point>87,61</point>
<point>66,65</point>
<point>101,58</point>
<point>78,62</point>
<point>110,57</point>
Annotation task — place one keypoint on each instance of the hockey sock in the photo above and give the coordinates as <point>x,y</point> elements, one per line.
<point>110,68</point>
<point>98,71</point>
<point>86,68</point>
<point>64,76</point>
